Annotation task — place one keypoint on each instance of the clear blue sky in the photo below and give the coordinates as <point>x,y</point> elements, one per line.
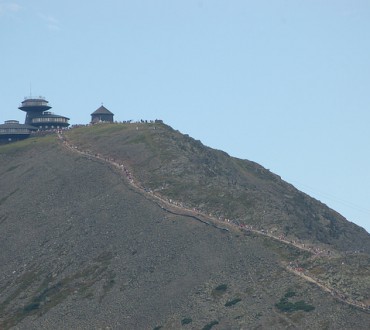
<point>282,83</point>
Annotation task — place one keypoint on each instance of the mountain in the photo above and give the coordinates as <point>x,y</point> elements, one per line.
<point>137,226</point>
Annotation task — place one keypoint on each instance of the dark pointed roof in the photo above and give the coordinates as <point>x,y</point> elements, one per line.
<point>102,111</point>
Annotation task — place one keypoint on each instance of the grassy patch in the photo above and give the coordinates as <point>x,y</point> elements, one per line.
<point>46,295</point>
<point>219,290</point>
<point>31,307</point>
<point>284,251</point>
<point>23,283</point>
<point>232,302</point>
<point>285,305</point>
<point>186,321</point>
<point>14,148</point>
<point>12,168</point>
<point>290,293</point>
<point>210,325</point>
<point>2,200</point>
<point>108,285</point>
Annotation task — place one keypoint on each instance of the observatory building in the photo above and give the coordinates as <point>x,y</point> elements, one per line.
<point>37,114</point>
<point>102,114</point>
<point>38,118</point>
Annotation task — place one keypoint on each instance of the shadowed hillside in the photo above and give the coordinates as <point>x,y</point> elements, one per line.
<point>85,245</point>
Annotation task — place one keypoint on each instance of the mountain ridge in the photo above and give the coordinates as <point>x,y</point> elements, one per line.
<point>318,250</point>
<point>100,236</point>
<point>175,163</point>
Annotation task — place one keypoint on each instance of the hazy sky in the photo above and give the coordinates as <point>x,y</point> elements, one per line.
<point>283,83</point>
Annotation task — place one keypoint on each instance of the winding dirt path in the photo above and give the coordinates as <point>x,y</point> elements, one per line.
<point>177,209</point>
<point>164,204</point>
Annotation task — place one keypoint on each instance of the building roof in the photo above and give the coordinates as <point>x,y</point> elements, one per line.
<point>34,104</point>
<point>48,114</point>
<point>102,111</point>
<point>14,124</point>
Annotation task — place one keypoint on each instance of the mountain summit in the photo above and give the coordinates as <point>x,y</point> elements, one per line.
<point>137,226</point>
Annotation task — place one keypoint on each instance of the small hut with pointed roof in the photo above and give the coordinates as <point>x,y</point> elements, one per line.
<point>102,114</point>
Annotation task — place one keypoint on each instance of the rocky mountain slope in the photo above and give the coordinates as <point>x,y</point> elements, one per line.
<point>183,169</point>
<point>136,226</point>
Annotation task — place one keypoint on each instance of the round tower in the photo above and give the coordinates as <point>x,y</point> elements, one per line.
<point>34,107</point>
<point>37,114</point>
